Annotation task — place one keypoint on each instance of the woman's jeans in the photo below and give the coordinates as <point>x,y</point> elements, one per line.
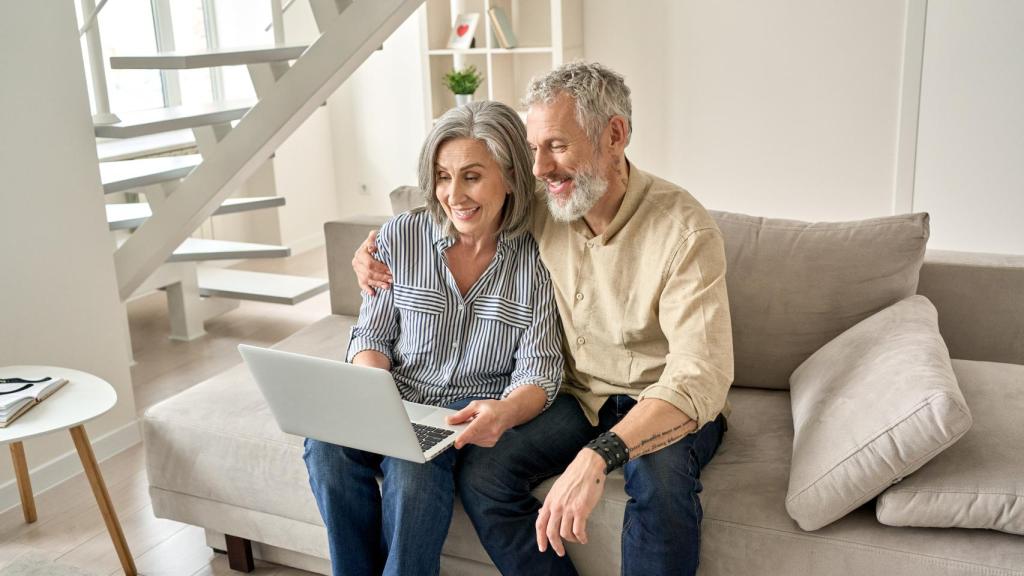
<point>661,529</point>
<point>397,528</point>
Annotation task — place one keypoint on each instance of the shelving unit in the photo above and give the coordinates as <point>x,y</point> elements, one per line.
<point>550,32</point>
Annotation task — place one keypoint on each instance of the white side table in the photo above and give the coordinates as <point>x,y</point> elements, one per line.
<point>83,398</point>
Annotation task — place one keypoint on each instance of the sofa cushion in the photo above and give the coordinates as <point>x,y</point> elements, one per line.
<point>869,408</point>
<point>746,529</point>
<point>979,481</point>
<point>794,286</point>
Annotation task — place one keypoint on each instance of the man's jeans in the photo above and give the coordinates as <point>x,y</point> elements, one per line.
<point>661,529</point>
<point>396,529</point>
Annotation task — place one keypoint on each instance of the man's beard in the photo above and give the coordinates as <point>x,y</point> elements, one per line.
<point>588,188</point>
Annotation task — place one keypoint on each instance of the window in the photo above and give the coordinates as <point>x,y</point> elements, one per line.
<point>135,26</point>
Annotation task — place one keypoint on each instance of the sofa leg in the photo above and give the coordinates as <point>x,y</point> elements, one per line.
<point>239,553</point>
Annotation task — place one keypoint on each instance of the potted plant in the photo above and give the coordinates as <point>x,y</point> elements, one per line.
<point>463,83</point>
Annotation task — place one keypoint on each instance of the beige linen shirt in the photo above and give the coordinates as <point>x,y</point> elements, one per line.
<point>643,305</point>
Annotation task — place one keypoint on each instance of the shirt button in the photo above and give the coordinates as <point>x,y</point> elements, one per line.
<point>455,344</point>
<point>590,244</point>
<point>461,308</point>
<point>581,340</point>
<point>579,295</point>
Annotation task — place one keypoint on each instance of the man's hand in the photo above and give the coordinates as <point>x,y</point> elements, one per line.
<point>488,420</point>
<point>370,273</point>
<point>569,503</point>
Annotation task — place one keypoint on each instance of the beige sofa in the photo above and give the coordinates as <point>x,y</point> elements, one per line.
<point>217,460</point>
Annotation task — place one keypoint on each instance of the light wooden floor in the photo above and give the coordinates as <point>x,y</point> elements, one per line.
<point>70,529</point>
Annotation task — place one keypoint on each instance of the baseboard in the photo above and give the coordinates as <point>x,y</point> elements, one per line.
<point>68,464</point>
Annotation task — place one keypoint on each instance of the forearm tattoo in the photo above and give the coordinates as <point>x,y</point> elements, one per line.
<point>660,440</point>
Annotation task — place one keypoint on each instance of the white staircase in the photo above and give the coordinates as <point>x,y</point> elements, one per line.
<point>145,122</point>
<point>234,139</point>
<point>208,58</point>
<point>124,175</point>
<point>127,216</point>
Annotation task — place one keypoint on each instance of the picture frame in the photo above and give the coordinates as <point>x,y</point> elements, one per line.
<point>463,31</point>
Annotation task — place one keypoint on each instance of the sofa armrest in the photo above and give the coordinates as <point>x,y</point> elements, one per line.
<point>342,239</point>
<point>980,299</point>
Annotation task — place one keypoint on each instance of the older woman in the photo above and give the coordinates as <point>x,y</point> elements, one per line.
<point>469,324</point>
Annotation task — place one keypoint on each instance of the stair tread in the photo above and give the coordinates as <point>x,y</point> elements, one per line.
<point>196,249</point>
<point>186,59</point>
<point>152,121</point>
<point>258,286</point>
<point>123,216</point>
<point>127,174</point>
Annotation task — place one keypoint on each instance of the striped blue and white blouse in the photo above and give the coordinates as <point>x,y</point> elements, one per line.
<point>443,347</point>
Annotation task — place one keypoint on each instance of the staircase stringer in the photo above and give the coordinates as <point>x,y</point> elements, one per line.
<point>328,62</point>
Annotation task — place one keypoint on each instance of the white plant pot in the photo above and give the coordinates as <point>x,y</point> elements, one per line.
<point>463,99</point>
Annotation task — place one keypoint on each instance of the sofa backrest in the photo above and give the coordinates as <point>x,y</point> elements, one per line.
<point>980,299</point>
<point>793,286</point>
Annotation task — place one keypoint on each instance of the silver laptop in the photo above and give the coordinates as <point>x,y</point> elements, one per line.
<point>347,405</point>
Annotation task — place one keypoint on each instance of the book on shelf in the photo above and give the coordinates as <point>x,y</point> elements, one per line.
<point>502,28</point>
<point>463,31</point>
<point>19,395</point>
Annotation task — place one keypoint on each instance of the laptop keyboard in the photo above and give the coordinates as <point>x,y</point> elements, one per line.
<point>430,436</point>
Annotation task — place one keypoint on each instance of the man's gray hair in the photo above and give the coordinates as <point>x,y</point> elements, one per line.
<point>598,92</point>
<point>500,129</point>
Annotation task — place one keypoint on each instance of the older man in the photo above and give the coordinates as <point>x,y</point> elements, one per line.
<point>638,268</point>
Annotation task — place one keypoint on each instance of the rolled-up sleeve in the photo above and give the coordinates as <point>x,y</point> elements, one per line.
<point>377,327</point>
<point>539,360</point>
<point>694,316</point>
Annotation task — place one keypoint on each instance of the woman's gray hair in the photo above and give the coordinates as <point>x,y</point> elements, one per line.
<point>598,92</point>
<point>500,129</point>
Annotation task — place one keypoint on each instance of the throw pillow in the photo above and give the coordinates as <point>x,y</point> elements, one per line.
<point>869,408</point>
<point>794,286</point>
<point>979,481</point>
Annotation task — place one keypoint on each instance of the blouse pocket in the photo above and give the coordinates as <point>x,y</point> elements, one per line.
<point>509,313</point>
<point>419,311</point>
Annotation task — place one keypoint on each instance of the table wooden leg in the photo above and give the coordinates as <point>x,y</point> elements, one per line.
<point>99,490</point>
<point>28,503</point>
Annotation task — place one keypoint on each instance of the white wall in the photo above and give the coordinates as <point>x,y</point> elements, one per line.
<point>58,293</point>
<point>378,122</point>
<point>778,108</point>
<point>346,158</point>
<point>970,161</point>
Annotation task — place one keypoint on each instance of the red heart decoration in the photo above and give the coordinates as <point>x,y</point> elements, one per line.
<point>462,29</point>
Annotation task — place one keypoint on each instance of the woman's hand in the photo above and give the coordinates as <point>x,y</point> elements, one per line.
<point>489,419</point>
<point>370,273</point>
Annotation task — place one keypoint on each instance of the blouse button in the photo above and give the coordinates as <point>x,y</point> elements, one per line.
<point>581,340</point>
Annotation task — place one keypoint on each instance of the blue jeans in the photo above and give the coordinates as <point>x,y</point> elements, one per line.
<point>661,528</point>
<point>396,529</point>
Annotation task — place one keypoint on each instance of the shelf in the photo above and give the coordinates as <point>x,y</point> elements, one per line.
<point>524,50</point>
<point>454,51</point>
<point>549,33</point>
<point>520,50</point>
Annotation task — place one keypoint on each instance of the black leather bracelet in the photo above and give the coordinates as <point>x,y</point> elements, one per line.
<point>610,447</point>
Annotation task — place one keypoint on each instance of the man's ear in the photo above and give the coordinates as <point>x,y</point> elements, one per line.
<point>618,132</point>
